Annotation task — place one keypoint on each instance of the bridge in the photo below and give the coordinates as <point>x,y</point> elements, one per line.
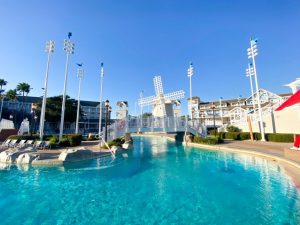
<point>154,125</point>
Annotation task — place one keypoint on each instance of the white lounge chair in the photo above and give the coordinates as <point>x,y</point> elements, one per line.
<point>38,145</point>
<point>12,143</point>
<point>21,144</point>
<point>6,143</point>
<point>46,145</point>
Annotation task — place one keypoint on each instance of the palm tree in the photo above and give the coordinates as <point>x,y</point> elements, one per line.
<point>2,83</point>
<point>24,89</point>
<point>12,95</point>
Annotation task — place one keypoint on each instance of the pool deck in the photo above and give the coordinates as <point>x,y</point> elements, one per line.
<point>50,156</point>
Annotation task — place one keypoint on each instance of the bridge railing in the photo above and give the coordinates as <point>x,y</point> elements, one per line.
<point>154,124</point>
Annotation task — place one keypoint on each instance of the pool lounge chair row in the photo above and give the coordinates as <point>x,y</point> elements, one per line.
<point>13,143</point>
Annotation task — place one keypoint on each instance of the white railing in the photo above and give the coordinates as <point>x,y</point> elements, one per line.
<point>154,124</point>
<point>6,124</point>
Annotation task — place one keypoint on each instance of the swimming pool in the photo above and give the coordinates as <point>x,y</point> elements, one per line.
<point>159,182</point>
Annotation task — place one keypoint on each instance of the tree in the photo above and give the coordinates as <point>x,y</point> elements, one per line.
<point>2,83</point>
<point>12,95</point>
<point>24,89</point>
<point>53,109</point>
<point>233,129</point>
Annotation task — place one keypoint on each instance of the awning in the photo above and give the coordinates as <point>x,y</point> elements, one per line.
<point>294,99</point>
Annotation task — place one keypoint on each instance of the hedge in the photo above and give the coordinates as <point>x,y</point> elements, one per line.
<point>257,136</point>
<point>115,142</point>
<point>233,135</point>
<point>74,139</point>
<point>280,137</point>
<point>208,140</point>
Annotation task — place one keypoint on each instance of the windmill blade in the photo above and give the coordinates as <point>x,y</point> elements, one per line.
<point>147,101</point>
<point>158,85</point>
<point>175,95</point>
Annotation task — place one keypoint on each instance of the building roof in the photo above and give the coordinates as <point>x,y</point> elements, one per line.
<point>33,99</point>
<point>89,103</point>
<point>119,103</point>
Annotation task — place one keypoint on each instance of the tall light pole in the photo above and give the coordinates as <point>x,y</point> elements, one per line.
<point>141,120</point>
<point>221,111</point>
<point>80,76</point>
<point>69,49</point>
<point>252,53</point>
<point>250,73</point>
<point>190,74</point>
<point>49,50</point>
<point>107,111</point>
<point>100,106</point>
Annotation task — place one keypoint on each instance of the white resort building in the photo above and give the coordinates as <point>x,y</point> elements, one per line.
<point>223,112</point>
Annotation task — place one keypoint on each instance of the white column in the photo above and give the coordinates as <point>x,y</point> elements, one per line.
<point>62,119</point>
<point>100,106</point>
<point>80,76</point>
<point>251,85</point>
<point>69,49</point>
<point>49,49</point>
<point>262,129</point>
<point>190,74</point>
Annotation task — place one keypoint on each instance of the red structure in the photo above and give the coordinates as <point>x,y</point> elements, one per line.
<point>294,99</point>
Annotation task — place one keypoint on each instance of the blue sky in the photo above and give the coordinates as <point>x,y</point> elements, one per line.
<point>137,40</point>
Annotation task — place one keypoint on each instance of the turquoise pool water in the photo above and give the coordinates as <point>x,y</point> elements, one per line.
<point>158,183</point>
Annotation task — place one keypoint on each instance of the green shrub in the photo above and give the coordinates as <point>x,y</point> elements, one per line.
<point>53,141</point>
<point>232,135</point>
<point>245,135</point>
<point>208,140</point>
<point>257,136</point>
<point>280,137</point>
<point>233,129</point>
<point>115,142</point>
<point>64,142</point>
<point>213,132</point>
<point>221,135</point>
<point>74,139</point>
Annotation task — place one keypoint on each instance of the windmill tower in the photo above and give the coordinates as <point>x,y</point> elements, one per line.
<point>162,103</point>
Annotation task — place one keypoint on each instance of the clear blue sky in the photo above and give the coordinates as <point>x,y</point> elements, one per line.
<point>139,39</point>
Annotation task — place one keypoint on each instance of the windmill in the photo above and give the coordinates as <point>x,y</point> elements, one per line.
<point>162,103</point>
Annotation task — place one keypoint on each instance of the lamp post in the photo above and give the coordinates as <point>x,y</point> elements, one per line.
<point>141,120</point>
<point>34,127</point>
<point>214,119</point>
<point>221,111</point>
<point>250,73</point>
<point>252,53</point>
<point>190,74</point>
<point>49,50</point>
<point>80,76</point>
<point>100,106</point>
<point>69,49</point>
<point>107,108</point>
